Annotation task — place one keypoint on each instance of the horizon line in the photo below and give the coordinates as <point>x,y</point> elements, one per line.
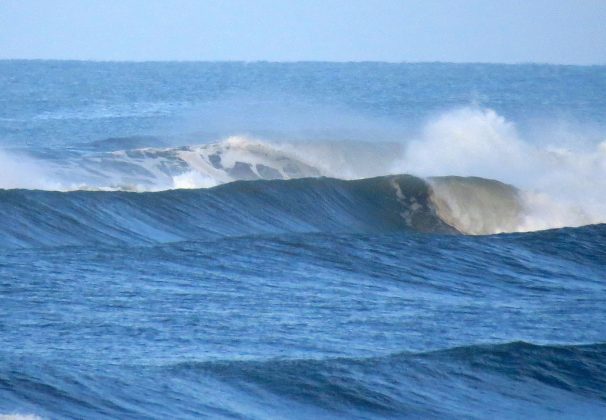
<point>260,61</point>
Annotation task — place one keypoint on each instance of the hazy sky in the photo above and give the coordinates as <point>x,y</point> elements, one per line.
<point>552,31</point>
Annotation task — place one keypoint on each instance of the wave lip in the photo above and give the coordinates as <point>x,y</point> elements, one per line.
<point>156,168</point>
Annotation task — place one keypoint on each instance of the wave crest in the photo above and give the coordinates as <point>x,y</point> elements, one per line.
<point>554,186</point>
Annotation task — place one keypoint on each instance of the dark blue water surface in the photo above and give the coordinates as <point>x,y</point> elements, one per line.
<point>296,298</point>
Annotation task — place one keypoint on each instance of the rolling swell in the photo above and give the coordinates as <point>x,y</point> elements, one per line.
<point>402,383</point>
<point>375,205</point>
<point>450,204</point>
<point>510,379</point>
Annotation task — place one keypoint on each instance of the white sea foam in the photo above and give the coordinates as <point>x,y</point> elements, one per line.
<point>193,179</point>
<point>19,417</point>
<point>561,186</point>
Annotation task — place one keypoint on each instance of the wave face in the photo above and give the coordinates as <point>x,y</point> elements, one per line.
<point>385,204</point>
<point>477,206</point>
<point>399,203</point>
<point>375,205</point>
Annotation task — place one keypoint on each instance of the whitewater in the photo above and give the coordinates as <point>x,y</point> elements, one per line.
<point>303,240</point>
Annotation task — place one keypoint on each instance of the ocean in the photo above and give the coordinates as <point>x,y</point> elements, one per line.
<point>302,240</point>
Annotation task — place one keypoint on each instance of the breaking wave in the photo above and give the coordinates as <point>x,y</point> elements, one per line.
<point>309,205</point>
<point>539,186</point>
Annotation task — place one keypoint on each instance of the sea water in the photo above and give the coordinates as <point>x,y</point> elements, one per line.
<point>302,240</point>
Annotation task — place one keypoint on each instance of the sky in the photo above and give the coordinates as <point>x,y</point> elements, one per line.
<point>503,31</point>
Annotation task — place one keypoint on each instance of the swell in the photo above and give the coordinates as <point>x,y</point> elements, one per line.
<point>507,380</point>
<point>396,203</point>
<point>375,205</point>
<point>579,369</point>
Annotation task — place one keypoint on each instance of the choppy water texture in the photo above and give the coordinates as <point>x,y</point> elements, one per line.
<point>308,240</point>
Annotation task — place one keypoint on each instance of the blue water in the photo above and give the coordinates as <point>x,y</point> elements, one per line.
<point>302,274</point>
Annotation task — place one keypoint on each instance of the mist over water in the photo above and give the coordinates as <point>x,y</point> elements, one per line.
<point>562,185</point>
<point>17,170</point>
